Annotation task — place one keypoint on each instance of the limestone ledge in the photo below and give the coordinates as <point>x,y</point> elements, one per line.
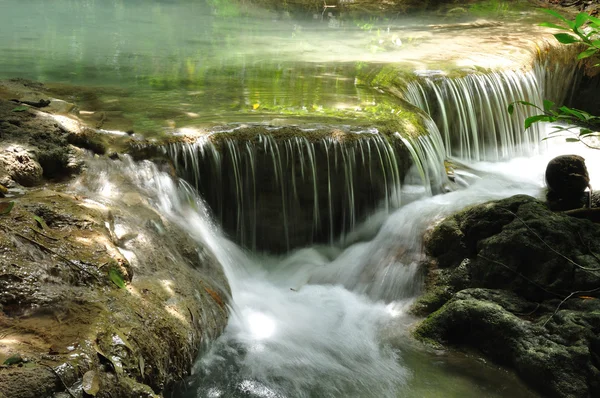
<point>98,297</point>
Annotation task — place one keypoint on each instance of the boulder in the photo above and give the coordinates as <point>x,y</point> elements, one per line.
<point>519,283</point>
<point>567,178</point>
<point>106,293</point>
<point>558,358</point>
<point>97,293</point>
<point>19,165</point>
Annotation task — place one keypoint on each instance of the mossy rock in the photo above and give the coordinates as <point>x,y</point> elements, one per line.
<point>500,280</point>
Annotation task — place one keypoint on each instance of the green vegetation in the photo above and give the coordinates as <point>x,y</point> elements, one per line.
<point>584,31</point>
<point>489,8</point>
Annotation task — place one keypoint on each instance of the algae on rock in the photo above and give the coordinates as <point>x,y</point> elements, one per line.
<point>519,284</point>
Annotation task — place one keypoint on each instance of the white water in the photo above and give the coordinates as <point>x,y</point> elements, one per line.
<point>332,321</point>
<point>346,176</point>
<point>471,111</point>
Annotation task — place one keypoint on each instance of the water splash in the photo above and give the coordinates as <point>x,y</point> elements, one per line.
<point>306,324</point>
<point>314,322</point>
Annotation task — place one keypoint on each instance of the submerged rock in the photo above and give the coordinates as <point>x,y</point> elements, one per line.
<point>520,284</point>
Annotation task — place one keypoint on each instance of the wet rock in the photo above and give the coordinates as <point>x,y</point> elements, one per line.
<point>556,358</point>
<point>88,139</point>
<point>567,177</point>
<point>496,282</point>
<point>53,135</point>
<point>56,282</point>
<point>17,164</point>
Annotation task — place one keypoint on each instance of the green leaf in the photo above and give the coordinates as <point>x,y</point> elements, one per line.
<point>21,108</point>
<point>571,140</point>
<point>6,207</point>
<point>580,19</point>
<point>566,38</point>
<point>115,276</point>
<point>553,26</point>
<point>524,103</point>
<point>537,118</point>
<point>556,14</point>
<point>91,383</point>
<point>584,132</point>
<point>548,105</point>
<point>511,108</point>
<point>13,360</point>
<point>587,53</point>
<point>594,20</point>
<point>570,111</point>
<point>40,222</point>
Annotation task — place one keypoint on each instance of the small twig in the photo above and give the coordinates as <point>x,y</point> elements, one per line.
<point>42,246</point>
<point>550,247</point>
<point>588,247</point>
<point>565,300</point>
<point>59,378</point>
<point>520,274</point>
<point>43,234</point>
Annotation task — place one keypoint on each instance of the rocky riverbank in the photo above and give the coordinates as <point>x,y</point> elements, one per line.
<point>100,295</point>
<point>519,284</point>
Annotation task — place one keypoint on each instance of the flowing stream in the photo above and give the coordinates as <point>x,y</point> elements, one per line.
<point>330,319</point>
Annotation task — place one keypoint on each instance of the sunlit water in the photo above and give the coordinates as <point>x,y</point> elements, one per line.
<point>154,65</point>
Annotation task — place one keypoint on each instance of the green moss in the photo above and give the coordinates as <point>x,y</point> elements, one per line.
<point>431,301</point>
<point>428,330</point>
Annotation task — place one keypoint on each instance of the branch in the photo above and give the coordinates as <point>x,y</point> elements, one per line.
<point>550,247</point>
<point>43,247</point>
<point>565,300</point>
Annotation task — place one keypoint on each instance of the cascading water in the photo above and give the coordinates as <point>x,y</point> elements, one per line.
<point>315,323</point>
<point>322,321</point>
<point>471,111</point>
<point>290,190</point>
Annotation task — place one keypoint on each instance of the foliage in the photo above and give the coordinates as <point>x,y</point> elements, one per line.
<point>584,30</point>
<point>115,276</point>
<point>551,113</point>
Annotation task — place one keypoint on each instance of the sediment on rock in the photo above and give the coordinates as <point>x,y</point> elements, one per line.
<point>108,290</point>
<point>97,293</point>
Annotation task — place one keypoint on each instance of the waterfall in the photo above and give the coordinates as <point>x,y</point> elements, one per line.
<point>315,322</point>
<point>471,111</point>
<point>274,190</point>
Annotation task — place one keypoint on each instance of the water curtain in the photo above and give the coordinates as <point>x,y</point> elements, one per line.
<point>282,192</point>
<point>471,111</point>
